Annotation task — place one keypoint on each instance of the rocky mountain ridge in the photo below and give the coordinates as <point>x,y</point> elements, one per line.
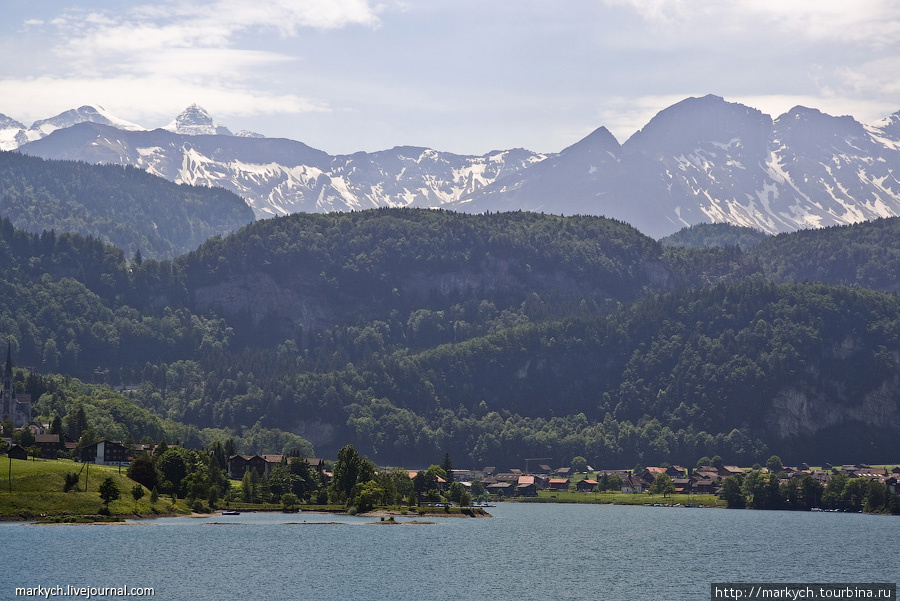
<point>701,160</point>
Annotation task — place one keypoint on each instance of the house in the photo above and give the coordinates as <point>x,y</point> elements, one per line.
<point>104,452</point>
<point>17,451</point>
<point>50,445</point>
<point>729,470</point>
<point>501,489</point>
<point>238,465</point>
<point>676,471</point>
<point>632,484</point>
<point>682,485</point>
<point>705,486</point>
<point>654,471</point>
<point>558,484</point>
<point>564,472</point>
<point>586,485</point>
<point>526,486</point>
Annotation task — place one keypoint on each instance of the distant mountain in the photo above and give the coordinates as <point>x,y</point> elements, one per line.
<point>126,207</point>
<point>701,160</point>
<point>195,121</point>
<point>707,160</point>
<point>13,134</point>
<point>278,176</point>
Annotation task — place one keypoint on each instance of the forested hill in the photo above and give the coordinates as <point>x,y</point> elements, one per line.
<point>320,270</point>
<point>123,206</point>
<point>714,234</point>
<point>864,254</point>
<point>411,333</point>
<point>739,370</point>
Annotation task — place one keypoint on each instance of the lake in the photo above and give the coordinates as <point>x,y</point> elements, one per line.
<point>540,552</point>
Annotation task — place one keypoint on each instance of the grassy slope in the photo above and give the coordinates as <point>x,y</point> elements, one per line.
<point>37,489</point>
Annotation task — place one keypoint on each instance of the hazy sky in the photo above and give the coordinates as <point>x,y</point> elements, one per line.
<point>456,75</point>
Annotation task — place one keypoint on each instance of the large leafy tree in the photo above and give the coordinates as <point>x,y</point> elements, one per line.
<point>350,469</point>
<point>662,485</point>
<point>109,491</point>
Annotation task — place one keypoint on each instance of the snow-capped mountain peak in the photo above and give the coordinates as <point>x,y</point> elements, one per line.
<point>86,113</point>
<point>196,121</point>
<point>9,123</point>
<point>13,134</point>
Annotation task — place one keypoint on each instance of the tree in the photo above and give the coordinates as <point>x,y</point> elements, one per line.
<point>137,493</point>
<point>662,485</point>
<point>477,490</point>
<point>465,499</point>
<point>876,498</point>
<point>173,469</point>
<point>76,423</point>
<point>369,494</point>
<point>350,469</point>
<point>160,449</point>
<point>24,437</point>
<point>447,466</point>
<point>109,491</point>
<point>289,500</point>
<point>455,491</point>
<point>579,464</point>
<point>810,492</point>
<point>154,496</point>
<point>144,472</point>
<point>71,482</point>
<point>731,492</point>
<point>774,464</point>
<point>246,488</point>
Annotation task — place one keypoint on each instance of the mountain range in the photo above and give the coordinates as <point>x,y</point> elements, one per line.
<point>701,160</point>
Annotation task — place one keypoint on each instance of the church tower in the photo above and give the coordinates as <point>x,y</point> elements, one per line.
<point>11,407</point>
<point>9,395</point>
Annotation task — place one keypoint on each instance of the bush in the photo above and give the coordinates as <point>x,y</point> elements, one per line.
<point>71,482</point>
<point>352,510</point>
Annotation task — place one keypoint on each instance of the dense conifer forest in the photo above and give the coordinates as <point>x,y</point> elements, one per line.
<point>124,206</point>
<point>413,333</point>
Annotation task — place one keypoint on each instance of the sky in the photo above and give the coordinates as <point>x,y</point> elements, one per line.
<point>459,76</point>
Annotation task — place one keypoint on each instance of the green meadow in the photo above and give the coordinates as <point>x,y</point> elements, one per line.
<point>34,488</point>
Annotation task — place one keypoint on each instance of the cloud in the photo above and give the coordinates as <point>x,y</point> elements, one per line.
<point>149,101</point>
<point>874,23</point>
<point>156,58</point>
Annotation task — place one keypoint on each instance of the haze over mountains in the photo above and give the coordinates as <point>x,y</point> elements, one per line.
<point>701,160</point>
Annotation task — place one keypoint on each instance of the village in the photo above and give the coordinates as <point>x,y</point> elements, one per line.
<point>488,483</point>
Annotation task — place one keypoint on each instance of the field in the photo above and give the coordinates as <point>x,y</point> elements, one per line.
<point>33,488</point>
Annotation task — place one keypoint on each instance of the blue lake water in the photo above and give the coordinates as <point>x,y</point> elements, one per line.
<point>583,552</point>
